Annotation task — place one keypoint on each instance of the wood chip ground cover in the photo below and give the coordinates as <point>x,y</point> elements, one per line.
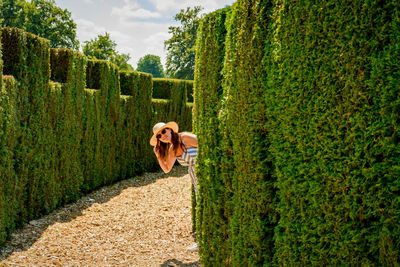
<point>143,221</point>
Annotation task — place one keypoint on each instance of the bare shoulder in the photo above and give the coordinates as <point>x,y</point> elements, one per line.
<point>189,139</point>
<point>188,135</point>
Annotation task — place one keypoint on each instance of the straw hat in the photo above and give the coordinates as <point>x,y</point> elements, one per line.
<point>159,126</point>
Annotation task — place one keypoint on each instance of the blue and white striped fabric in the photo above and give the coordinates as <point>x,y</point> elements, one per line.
<point>188,158</point>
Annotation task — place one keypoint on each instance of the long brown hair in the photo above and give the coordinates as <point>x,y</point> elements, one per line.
<point>164,147</point>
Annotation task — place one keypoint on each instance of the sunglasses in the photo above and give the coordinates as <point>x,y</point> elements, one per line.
<point>162,132</point>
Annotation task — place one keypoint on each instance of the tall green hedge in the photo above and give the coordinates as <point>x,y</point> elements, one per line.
<point>163,88</point>
<point>59,140</point>
<point>333,91</point>
<point>67,68</point>
<point>212,209</point>
<point>1,62</point>
<point>172,105</point>
<point>8,176</point>
<point>104,76</point>
<point>254,217</point>
<point>137,112</point>
<point>310,115</point>
<point>26,57</point>
<point>236,213</point>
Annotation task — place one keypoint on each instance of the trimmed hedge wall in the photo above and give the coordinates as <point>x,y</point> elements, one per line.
<point>137,112</point>
<point>66,110</point>
<point>214,193</point>
<point>310,115</point>
<point>104,76</point>
<point>164,88</point>
<point>59,140</point>
<point>173,104</point>
<point>26,57</point>
<point>1,62</point>
<point>333,92</point>
<point>8,176</point>
<point>254,216</point>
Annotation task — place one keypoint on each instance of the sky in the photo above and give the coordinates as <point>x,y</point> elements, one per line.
<point>139,27</point>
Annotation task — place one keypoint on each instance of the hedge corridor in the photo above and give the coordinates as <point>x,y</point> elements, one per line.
<point>66,129</point>
<point>297,112</point>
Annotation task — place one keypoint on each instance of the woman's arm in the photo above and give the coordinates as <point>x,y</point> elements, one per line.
<point>189,139</point>
<point>167,164</point>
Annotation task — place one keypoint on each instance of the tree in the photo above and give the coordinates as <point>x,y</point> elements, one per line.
<point>43,18</point>
<point>151,64</point>
<point>121,60</point>
<point>182,45</point>
<point>12,13</point>
<point>102,47</point>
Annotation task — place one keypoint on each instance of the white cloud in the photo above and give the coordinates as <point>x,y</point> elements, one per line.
<point>132,10</point>
<point>87,30</point>
<point>140,13</point>
<point>155,44</point>
<point>142,38</point>
<point>88,1</point>
<point>158,37</point>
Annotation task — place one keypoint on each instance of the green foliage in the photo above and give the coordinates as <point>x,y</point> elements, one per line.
<point>151,64</point>
<point>176,107</point>
<point>47,20</point>
<point>162,88</point>
<point>68,67</point>
<point>307,135</point>
<point>26,57</point>
<point>254,216</point>
<point>212,226</point>
<point>8,177</point>
<point>104,76</point>
<point>182,45</point>
<point>138,115</point>
<point>102,47</point>
<point>121,60</point>
<point>43,18</point>
<point>333,91</point>
<point>12,13</point>
<point>189,93</point>
<point>1,63</point>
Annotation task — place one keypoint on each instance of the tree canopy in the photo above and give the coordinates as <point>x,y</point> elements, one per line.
<point>43,18</point>
<point>151,64</point>
<point>121,60</point>
<point>182,45</point>
<point>102,47</point>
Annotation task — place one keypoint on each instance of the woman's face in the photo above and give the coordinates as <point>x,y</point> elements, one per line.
<point>165,135</point>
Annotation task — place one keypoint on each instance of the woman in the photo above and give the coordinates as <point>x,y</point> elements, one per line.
<point>169,146</point>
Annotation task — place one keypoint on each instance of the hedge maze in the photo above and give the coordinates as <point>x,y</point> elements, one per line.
<point>297,116</point>
<point>65,128</point>
<point>297,112</point>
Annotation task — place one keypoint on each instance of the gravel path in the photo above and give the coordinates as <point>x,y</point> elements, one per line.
<point>143,221</point>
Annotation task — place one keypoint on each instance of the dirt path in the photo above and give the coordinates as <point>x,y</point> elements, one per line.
<point>143,221</point>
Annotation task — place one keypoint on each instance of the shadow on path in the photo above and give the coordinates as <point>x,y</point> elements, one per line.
<point>22,239</point>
